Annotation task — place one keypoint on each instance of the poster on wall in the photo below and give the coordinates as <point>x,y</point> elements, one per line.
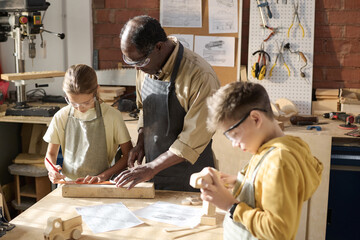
<point>187,40</point>
<point>180,13</point>
<point>218,51</point>
<point>223,16</point>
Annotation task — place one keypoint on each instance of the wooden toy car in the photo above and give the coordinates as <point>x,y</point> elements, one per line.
<point>58,229</point>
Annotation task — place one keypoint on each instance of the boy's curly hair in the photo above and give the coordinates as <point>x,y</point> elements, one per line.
<point>234,100</point>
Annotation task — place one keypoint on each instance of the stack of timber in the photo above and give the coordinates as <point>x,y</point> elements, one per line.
<point>111,94</point>
<point>327,101</point>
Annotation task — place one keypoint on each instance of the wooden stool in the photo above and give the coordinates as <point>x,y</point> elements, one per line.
<point>35,184</point>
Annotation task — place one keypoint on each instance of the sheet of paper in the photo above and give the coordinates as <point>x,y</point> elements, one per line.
<point>223,16</point>
<point>108,217</point>
<point>218,51</point>
<point>180,13</point>
<point>182,216</point>
<point>187,40</point>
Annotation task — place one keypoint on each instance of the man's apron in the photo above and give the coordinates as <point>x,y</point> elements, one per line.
<point>163,122</point>
<point>85,146</point>
<point>235,230</point>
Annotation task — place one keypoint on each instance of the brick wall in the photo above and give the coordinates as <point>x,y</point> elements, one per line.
<point>337,36</point>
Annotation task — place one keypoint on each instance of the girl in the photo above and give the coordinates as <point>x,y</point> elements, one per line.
<point>88,131</point>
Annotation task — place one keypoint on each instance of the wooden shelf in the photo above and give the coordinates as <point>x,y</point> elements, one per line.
<point>28,190</point>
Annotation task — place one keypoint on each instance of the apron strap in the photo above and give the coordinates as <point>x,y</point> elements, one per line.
<point>98,109</point>
<point>237,187</point>
<point>71,112</point>
<point>172,82</point>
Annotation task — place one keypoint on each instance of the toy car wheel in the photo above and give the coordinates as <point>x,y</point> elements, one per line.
<point>76,234</point>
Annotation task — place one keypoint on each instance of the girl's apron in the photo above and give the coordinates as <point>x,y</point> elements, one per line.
<point>235,230</point>
<point>163,122</point>
<point>85,146</point>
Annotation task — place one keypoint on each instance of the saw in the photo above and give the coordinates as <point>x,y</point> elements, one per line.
<point>117,77</point>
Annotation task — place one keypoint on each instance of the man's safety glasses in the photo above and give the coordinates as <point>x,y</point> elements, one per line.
<point>140,63</point>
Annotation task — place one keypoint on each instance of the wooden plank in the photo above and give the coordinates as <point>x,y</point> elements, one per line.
<point>26,158</point>
<point>31,75</point>
<point>142,190</point>
<point>118,90</point>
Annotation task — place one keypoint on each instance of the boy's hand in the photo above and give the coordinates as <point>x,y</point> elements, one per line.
<point>228,180</point>
<point>216,193</point>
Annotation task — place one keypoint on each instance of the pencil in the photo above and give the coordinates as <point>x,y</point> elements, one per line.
<point>52,165</point>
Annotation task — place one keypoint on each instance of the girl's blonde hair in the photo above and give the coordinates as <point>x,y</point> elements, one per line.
<point>80,79</point>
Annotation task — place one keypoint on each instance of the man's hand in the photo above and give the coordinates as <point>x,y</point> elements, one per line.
<point>216,193</point>
<point>138,152</point>
<point>135,175</point>
<point>90,179</point>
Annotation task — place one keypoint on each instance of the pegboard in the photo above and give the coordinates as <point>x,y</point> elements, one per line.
<point>280,85</point>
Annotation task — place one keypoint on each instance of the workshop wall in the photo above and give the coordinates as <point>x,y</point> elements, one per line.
<point>336,46</point>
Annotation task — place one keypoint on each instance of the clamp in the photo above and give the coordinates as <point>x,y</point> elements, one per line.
<point>281,57</point>
<point>258,70</point>
<point>296,15</point>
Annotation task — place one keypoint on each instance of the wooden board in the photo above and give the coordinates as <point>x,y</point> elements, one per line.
<point>31,75</point>
<point>26,158</point>
<point>142,190</point>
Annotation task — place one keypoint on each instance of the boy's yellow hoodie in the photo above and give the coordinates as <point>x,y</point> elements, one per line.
<point>288,176</point>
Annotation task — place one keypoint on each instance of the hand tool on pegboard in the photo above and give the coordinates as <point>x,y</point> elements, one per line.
<point>261,5</point>
<point>280,56</point>
<point>302,56</point>
<point>273,32</point>
<point>296,15</point>
<point>259,68</point>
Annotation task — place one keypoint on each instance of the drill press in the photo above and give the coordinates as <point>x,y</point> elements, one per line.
<point>22,21</point>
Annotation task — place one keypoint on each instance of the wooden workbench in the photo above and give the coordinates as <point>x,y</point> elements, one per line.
<point>31,223</point>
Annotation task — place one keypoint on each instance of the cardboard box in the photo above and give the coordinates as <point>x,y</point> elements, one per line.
<point>350,100</point>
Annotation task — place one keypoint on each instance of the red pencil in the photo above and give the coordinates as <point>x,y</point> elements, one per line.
<point>52,165</point>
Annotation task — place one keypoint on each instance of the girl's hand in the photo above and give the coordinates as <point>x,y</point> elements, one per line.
<point>55,176</point>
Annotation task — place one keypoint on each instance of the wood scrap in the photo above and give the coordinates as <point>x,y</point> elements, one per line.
<point>195,231</point>
<point>208,209</point>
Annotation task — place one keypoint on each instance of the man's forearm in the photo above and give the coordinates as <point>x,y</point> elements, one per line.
<point>165,160</point>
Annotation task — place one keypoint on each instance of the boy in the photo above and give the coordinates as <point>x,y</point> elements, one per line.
<point>268,196</point>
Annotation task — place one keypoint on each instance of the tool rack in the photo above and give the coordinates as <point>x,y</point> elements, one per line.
<point>280,85</point>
